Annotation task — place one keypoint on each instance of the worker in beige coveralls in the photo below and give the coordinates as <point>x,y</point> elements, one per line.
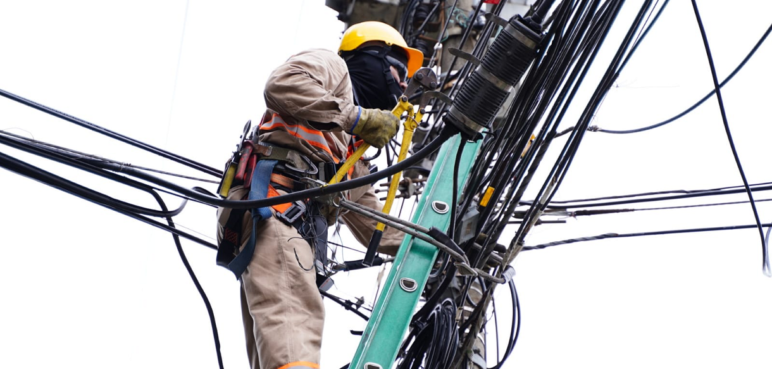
<point>316,100</point>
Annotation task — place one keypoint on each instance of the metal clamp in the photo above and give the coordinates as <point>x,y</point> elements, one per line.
<point>468,122</point>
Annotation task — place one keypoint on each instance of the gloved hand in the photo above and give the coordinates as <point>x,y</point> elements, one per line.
<point>376,126</point>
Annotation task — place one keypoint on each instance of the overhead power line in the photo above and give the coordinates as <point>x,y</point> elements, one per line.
<point>640,234</point>
<point>764,252</point>
<point>689,109</point>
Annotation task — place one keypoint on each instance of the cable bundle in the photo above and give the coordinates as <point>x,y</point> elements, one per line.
<point>434,344</point>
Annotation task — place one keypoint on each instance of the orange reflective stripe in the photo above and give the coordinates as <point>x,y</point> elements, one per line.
<point>312,136</point>
<point>311,142</point>
<point>299,364</point>
<point>278,207</point>
<point>310,131</point>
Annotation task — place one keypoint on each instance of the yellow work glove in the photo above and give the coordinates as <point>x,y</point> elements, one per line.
<point>376,126</point>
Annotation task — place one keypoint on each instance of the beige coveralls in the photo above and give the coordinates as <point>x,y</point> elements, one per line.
<point>282,310</point>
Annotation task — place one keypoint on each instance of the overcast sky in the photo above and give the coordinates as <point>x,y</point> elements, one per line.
<point>85,287</point>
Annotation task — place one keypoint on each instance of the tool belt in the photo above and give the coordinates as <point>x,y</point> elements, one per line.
<point>265,170</point>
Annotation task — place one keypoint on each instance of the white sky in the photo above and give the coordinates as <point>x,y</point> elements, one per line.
<point>83,286</point>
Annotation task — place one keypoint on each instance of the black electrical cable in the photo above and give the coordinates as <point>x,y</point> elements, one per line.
<point>496,328</point>
<point>119,206</point>
<point>526,114</point>
<point>104,200</point>
<point>765,254</point>
<point>558,172</point>
<point>589,48</point>
<point>91,195</point>
<point>603,87</point>
<point>643,34</point>
<point>348,305</point>
<point>193,277</point>
<point>514,332</point>
<point>47,178</point>
<point>701,101</point>
<point>640,234</point>
<point>717,189</point>
<point>579,213</point>
<point>701,193</point>
<point>298,195</point>
<point>542,75</point>
<point>505,135</point>
<point>86,192</point>
<point>77,154</point>
<point>454,191</point>
<point>111,134</point>
<point>434,344</point>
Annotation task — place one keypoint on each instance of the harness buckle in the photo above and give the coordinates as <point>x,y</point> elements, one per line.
<point>293,213</point>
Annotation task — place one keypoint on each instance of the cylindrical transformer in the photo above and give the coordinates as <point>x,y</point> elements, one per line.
<point>483,93</point>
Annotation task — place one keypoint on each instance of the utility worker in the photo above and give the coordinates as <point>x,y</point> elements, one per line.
<point>318,105</point>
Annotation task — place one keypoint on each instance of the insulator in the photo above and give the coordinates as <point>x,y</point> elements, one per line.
<point>485,90</point>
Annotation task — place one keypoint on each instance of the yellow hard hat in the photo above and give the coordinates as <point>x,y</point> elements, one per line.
<point>363,32</point>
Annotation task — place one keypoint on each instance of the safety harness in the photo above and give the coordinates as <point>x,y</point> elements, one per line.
<point>264,169</point>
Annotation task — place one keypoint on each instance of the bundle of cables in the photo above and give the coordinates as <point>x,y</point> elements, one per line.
<point>434,343</point>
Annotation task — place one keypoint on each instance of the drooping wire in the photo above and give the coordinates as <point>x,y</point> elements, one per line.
<point>62,184</point>
<point>764,252</point>
<point>514,332</point>
<point>193,277</point>
<point>130,210</point>
<point>695,105</point>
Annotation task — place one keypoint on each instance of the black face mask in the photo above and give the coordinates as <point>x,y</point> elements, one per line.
<point>374,86</point>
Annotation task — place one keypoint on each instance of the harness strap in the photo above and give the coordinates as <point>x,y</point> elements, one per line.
<point>258,191</point>
<point>270,152</point>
